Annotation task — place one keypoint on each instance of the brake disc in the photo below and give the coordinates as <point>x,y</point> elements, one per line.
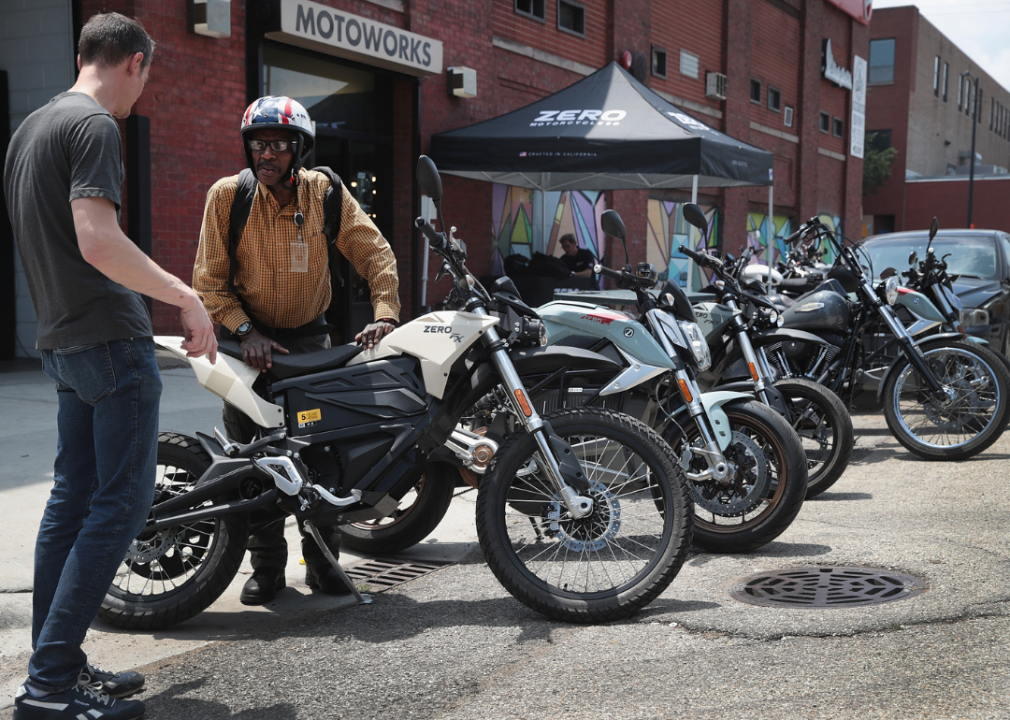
<point>749,483</point>
<point>592,532</point>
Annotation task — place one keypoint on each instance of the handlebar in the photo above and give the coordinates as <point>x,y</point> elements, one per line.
<point>625,279</point>
<point>435,239</point>
<point>702,258</point>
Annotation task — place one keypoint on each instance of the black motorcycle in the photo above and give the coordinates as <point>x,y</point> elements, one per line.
<point>944,398</point>
<point>741,328</point>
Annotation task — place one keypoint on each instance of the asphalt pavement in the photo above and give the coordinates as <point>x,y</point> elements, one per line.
<point>453,644</point>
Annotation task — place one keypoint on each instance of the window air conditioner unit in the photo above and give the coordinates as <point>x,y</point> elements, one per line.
<point>715,86</point>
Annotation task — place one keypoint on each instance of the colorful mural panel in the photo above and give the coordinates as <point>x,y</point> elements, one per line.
<point>668,231</point>
<point>757,232</point>
<point>518,226</point>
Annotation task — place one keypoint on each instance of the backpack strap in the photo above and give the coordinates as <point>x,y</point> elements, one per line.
<point>333,206</point>
<point>245,192</point>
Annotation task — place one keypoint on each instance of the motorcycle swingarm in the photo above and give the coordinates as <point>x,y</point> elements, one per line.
<point>214,511</point>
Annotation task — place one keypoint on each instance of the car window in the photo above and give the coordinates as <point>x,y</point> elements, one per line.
<point>1004,241</point>
<point>965,255</point>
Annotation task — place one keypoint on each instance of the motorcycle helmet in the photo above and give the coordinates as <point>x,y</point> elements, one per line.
<point>279,112</point>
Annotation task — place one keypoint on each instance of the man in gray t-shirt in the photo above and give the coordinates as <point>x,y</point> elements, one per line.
<point>63,182</point>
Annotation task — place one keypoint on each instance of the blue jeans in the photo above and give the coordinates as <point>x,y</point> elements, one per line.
<point>106,453</point>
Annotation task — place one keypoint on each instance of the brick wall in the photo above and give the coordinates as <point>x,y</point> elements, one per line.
<point>948,201</point>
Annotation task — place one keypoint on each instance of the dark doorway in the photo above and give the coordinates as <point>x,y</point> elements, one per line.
<point>883,224</point>
<point>352,107</point>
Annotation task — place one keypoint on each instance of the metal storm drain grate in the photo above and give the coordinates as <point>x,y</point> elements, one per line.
<point>381,575</point>
<point>824,587</point>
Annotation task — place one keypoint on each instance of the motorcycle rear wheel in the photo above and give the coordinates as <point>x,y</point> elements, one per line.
<point>419,513</point>
<point>603,567</point>
<point>973,417</point>
<point>824,428</point>
<point>176,573</point>
<point>767,487</point>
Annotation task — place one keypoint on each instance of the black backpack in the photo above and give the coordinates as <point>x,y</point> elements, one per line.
<point>242,205</point>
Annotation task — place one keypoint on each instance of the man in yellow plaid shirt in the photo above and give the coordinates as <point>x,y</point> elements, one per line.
<point>281,291</point>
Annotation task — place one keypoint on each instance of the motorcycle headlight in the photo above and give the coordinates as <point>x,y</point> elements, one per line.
<point>696,343</point>
<point>889,290</point>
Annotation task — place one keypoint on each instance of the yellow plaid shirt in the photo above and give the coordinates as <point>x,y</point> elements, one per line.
<point>276,296</point>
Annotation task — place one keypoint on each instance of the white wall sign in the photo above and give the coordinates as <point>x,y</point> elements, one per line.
<point>832,70</point>
<point>333,31</point>
<point>857,128</point>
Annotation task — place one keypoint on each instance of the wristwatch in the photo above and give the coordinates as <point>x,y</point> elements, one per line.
<point>243,329</point>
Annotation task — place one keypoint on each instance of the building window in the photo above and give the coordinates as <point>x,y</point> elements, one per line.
<point>838,127</point>
<point>992,111</point>
<point>755,91</point>
<point>658,61</point>
<point>881,62</point>
<point>825,122</point>
<point>878,140</point>
<point>936,76</point>
<point>688,64</point>
<point>946,68</point>
<point>572,17</point>
<point>531,8</point>
<point>960,89</point>
<point>787,116</point>
<point>774,99</point>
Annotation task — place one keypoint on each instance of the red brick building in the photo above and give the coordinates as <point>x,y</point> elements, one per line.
<point>921,104</point>
<point>373,74</point>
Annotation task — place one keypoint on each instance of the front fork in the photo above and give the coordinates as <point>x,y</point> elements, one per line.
<point>551,446</point>
<point>911,350</point>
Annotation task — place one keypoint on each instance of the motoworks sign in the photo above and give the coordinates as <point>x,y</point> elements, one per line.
<point>336,32</point>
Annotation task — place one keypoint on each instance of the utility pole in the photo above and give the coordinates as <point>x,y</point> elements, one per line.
<point>974,124</point>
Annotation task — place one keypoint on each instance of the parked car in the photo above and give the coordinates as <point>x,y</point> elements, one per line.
<point>980,259</point>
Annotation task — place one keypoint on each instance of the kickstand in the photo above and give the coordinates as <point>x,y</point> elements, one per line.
<point>362,599</point>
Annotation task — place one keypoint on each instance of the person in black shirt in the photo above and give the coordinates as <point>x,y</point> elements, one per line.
<point>579,260</point>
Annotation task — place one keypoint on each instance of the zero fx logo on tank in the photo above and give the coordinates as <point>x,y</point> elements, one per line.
<point>550,118</point>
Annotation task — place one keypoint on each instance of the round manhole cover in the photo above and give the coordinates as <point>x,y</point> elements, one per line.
<point>822,587</point>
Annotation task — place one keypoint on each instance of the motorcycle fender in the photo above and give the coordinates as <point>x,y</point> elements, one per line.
<point>775,399</point>
<point>923,344</point>
<point>768,337</point>
<point>713,402</point>
<point>231,380</point>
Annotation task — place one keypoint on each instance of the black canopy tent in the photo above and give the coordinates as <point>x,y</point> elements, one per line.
<point>605,132</point>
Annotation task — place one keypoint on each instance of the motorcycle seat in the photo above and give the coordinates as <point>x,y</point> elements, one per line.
<point>289,366</point>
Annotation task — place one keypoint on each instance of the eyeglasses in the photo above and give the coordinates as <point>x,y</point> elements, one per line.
<point>275,145</point>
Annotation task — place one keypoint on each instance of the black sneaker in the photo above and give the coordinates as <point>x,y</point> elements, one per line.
<point>117,685</point>
<point>85,700</point>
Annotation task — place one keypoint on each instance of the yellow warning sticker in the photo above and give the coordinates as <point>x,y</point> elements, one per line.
<point>307,417</point>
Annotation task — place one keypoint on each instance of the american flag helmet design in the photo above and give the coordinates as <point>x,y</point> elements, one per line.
<point>281,113</point>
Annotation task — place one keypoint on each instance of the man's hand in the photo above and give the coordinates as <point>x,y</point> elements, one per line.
<point>373,333</point>
<point>257,350</point>
<point>199,331</point>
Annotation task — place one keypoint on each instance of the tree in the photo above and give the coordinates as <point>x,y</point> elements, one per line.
<point>876,164</point>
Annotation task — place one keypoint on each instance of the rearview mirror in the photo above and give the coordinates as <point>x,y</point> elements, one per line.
<point>429,179</point>
<point>696,216</point>
<point>612,224</point>
<point>888,272</point>
<point>913,257</point>
<point>933,228</point>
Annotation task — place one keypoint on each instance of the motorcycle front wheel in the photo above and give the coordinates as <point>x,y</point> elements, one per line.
<point>609,564</point>
<point>967,420</point>
<point>767,481</point>
<point>824,428</point>
<point>173,574</point>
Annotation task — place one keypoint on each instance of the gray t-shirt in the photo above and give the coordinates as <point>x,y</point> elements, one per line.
<point>69,149</point>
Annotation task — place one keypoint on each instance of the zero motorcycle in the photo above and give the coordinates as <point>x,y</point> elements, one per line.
<point>943,398</point>
<point>583,515</point>
<point>738,328</point>
<point>744,463</point>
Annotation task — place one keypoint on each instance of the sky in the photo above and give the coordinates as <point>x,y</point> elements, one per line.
<point>981,28</point>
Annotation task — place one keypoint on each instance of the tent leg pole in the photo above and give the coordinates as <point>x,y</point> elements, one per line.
<point>771,226</point>
<point>693,236</point>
